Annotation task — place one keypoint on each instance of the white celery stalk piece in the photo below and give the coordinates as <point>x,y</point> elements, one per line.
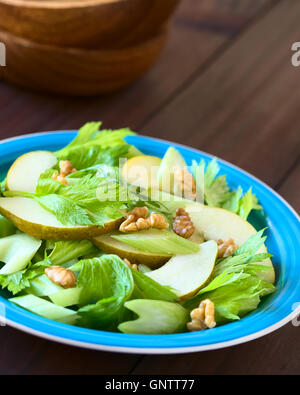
<point>45,309</point>
<point>16,251</point>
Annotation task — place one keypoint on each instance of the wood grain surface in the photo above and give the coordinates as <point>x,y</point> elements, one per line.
<point>78,72</point>
<point>225,84</point>
<point>85,23</point>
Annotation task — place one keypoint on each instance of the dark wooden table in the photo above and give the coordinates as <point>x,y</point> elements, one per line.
<point>224,84</point>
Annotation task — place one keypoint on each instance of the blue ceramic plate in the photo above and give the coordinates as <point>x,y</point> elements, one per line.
<point>274,312</point>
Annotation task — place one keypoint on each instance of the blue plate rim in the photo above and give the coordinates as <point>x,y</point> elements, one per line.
<point>158,350</point>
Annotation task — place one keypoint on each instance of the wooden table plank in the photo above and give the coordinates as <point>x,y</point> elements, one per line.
<point>186,50</point>
<point>192,43</point>
<point>25,354</point>
<point>277,353</point>
<point>244,107</point>
<point>290,188</point>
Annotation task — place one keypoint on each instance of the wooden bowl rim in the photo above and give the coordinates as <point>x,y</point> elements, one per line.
<point>59,4</point>
<point>161,34</point>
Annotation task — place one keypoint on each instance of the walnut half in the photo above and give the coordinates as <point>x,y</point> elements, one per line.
<point>66,168</point>
<point>61,276</point>
<point>182,224</point>
<point>137,220</point>
<point>226,248</point>
<point>202,317</point>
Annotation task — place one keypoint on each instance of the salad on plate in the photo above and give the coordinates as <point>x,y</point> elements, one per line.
<point>102,236</point>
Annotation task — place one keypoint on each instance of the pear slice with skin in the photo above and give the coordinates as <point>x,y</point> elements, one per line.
<point>218,223</point>
<point>112,246</point>
<point>31,218</point>
<point>24,173</point>
<point>186,274</point>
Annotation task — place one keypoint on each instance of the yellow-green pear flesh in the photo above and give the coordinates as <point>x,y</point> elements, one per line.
<point>186,274</point>
<point>24,173</point>
<point>135,256</point>
<point>218,223</point>
<point>31,218</point>
<point>142,171</point>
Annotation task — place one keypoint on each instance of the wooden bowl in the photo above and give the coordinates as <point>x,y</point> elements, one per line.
<point>85,23</point>
<point>79,72</point>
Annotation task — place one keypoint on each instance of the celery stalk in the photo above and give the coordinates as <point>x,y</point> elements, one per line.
<point>45,309</point>
<point>66,297</point>
<point>43,286</point>
<point>158,242</point>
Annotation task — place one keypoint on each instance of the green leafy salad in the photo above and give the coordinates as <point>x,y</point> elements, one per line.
<point>101,236</point>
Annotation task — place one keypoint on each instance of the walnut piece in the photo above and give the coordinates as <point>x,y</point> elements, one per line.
<point>61,276</point>
<point>182,224</point>
<point>137,220</point>
<point>132,265</point>
<point>226,248</point>
<point>186,182</point>
<point>66,168</point>
<point>139,212</point>
<point>202,317</point>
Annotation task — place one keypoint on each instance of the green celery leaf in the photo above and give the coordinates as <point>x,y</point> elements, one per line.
<point>65,251</point>
<point>248,203</point>
<point>89,156</point>
<point>217,192</point>
<point>85,134</point>
<point>65,210</point>
<point>106,283</point>
<point>17,282</point>
<point>236,287</point>
<point>146,288</point>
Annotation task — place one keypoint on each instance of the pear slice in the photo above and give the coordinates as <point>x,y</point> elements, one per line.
<point>112,246</point>
<point>142,171</point>
<point>171,161</point>
<point>217,223</point>
<point>29,217</point>
<point>25,171</point>
<point>186,274</point>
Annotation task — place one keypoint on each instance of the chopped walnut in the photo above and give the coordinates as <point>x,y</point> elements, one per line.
<point>60,178</point>
<point>226,248</point>
<point>132,265</point>
<point>66,168</point>
<point>61,276</point>
<point>137,220</point>
<point>202,317</point>
<point>158,221</point>
<point>186,182</point>
<point>182,224</point>
<point>139,212</point>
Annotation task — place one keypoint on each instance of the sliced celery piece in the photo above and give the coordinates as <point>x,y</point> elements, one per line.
<point>45,309</point>
<point>66,297</point>
<point>16,251</point>
<point>155,317</point>
<point>43,286</point>
<point>6,227</point>
<point>159,242</point>
<point>144,268</point>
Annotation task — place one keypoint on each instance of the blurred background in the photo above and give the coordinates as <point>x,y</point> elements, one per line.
<point>212,74</point>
